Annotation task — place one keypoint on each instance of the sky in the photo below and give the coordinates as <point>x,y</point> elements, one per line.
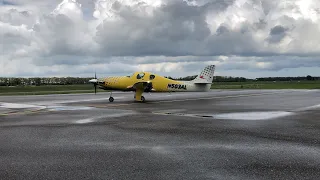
<point>247,38</point>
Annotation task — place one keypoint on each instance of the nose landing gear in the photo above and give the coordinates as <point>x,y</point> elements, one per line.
<point>111,99</point>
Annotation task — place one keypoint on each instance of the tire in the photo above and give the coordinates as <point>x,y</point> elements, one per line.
<point>111,99</point>
<point>143,99</point>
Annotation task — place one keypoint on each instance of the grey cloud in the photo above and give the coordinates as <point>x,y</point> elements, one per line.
<point>222,29</point>
<point>277,34</point>
<point>181,30</point>
<point>176,29</point>
<point>174,23</point>
<point>262,24</point>
<point>5,3</point>
<point>274,63</point>
<point>64,36</point>
<point>17,18</point>
<point>278,30</point>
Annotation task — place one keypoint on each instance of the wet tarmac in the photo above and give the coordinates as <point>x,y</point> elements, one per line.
<point>222,134</point>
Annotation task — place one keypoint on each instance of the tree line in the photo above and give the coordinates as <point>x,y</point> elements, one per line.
<point>37,81</point>
<point>302,78</point>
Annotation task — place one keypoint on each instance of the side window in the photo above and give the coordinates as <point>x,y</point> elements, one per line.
<point>152,77</point>
<point>140,75</point>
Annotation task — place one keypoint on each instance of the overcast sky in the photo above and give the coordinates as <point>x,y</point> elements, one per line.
<point>248,38</point>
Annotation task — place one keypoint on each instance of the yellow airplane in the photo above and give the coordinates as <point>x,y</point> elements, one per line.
<point>140,82</point>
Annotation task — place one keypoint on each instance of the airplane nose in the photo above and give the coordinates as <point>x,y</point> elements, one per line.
<point>93,80</point>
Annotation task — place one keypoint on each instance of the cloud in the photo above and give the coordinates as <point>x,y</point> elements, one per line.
<point>172,36</point>
<point>277,34</point>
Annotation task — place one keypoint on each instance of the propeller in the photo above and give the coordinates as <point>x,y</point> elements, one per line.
<point>94,82</point>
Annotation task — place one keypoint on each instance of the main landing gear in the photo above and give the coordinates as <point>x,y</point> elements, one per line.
<point>142,98</point>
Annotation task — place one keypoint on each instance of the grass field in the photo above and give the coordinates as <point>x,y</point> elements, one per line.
<point>88,88</point>
<point>50,89</point>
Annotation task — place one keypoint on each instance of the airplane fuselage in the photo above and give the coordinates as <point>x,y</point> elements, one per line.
<point>157,83</point>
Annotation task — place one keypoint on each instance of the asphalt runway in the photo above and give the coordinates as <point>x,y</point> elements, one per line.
<point>221,134</point>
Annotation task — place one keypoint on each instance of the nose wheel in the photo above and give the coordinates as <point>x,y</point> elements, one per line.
<point>111,99</point>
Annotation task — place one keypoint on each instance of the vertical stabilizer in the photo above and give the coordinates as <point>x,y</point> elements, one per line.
<point>206,76</point>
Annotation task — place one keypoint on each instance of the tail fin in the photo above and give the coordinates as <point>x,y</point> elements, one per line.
<point>206,76</point>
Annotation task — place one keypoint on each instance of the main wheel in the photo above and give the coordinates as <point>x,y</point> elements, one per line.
<point>143,99</point>
<point>111,99</point>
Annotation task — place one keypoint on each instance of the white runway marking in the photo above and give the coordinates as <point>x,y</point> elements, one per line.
<point>84,121</point>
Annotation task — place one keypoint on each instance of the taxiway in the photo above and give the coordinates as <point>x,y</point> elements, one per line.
<point>221,134</point>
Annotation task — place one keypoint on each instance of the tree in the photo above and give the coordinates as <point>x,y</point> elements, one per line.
<point>309,78</point>
<point>37,81</point>
<point>15,82</point>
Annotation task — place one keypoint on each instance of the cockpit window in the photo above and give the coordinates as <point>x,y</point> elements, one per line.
<point>140,75</point>
<point>152,77</point>
<point>130,75</point>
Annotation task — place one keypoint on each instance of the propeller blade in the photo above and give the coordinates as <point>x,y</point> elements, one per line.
<point>95,82</point>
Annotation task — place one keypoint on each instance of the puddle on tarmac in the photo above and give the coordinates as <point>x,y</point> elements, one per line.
<point>18,106</point>
<point>252,115</point>
<point>264,115</point>
<point>30,106</point>
<point>68,108</point>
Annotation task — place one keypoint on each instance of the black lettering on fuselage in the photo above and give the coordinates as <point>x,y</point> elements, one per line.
<point>177,86</point>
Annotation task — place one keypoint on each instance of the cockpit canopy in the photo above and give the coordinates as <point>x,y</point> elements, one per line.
<point>140,75</point>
